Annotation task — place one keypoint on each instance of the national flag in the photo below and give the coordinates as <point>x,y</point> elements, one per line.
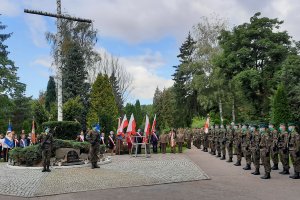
<point>153,125</point>
<point>206,125</point>
<point>147,129</point>
<point>33,136</point>
<point>9,128</point>
<point>123,125</point>
<point>131,126</point>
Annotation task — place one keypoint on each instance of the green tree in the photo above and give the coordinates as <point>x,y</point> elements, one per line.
<point>280,107</point>
<point>260,46</point>
<point>73,109</point>
<point>40,114</point>
<point>50,98</point>
<point>289,76</point>
<point>103,107</point>
<point>117,93</point>
<point>139,117</point>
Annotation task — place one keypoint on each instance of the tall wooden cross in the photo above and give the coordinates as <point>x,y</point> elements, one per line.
<point>58,16</point>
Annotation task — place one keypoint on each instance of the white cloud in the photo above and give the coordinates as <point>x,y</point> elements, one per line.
<point>37,27</point>
<point>8,8</point>
<point>44,61</point>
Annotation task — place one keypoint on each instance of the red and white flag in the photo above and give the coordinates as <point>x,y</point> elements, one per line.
<point>33,136</point>
<point>131,126</point>
<point>153,125</point>
<point>206,125</point>
<point>123,125</point>
<point>147,128</point>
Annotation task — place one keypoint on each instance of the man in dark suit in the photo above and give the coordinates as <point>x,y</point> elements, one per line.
<point>154,141</point>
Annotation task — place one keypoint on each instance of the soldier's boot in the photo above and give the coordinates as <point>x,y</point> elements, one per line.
<point>44,169</point>
<point>229,160</point>
<point>96,165</point>
<point>93,165</point>
<point>266,176</point>
<point>295,176</point>
<point>275,167</point>
<point>238,163</point>
<point>223,158</point>
<point>48,169</point>
<point>248,167</point>
<point>285,172</point>
<point>256,172</point>
<point>219,155</point>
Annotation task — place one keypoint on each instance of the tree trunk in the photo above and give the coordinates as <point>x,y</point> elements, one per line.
<point>221,110</point>
<point>233,111</point>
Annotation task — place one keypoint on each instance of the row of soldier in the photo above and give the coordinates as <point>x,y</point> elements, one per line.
<point>256,144</point>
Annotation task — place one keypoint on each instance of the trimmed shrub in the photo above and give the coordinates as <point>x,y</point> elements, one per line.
<point>67,130</point>
<point>32,155</point>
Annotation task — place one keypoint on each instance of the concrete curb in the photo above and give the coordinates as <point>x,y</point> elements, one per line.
<point>59,167</point>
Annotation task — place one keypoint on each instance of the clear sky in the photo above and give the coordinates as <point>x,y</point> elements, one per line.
<point>144,34</point>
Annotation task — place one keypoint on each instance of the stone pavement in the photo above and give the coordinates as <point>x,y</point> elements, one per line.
<point>227,183</point>
<point>124,171</point>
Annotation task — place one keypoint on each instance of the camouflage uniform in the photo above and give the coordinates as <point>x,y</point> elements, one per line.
<point>283,146</point>
<point>294,149</point>
<point>238,145</point>
<point>46,145</point>
<point>94,138</point>
<point>274,148</point>
<point>205,141</point>
<point>180,140</point>
<point>217,141</point>
<point>212,141</point>
<point>229,142</point>
<point>163,140</point>
<point>222,141</point>
<point>254,145</point>
<point>246,139</point>
<point>188,137</point>
<point>265,144</point>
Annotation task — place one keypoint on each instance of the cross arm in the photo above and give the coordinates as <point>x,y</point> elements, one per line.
<point>57,16</point>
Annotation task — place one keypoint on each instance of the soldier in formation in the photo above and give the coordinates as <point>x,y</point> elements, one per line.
<point>46,145</point>
<point>94,139</point>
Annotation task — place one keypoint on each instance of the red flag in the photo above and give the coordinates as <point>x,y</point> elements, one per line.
<point>131,126</point>
<point>33,136</point>
<point>153,125</point>
<point>123,125</point>
<point>206,125</point>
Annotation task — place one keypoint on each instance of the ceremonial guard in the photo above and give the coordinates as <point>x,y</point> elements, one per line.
<point>205,141</point>
<point>254,145</point>
<point>211,140</point>
<point>265,144</point>
<point>222,141</point>
<point>188,138</point>
<point>217,140</point>
<point>246,138</point>
<point>46,145</point>
<point>229,142</point>
<point>274,147</point>
<point>163,140</point>
<point>238,144</point>
<point>94,139</point>
<point>180,140</point>
<point>294,149</point>
<point>283,146</point>
<point>172,137</point>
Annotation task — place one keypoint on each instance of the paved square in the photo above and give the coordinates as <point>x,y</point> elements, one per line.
<point>124,171</point>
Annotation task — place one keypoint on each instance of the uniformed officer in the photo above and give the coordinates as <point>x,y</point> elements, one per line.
<point>180,140</point>
<point>265,144</point>
<point>274,147</point>
<point>217,140</point>
<point>254,145</point>
<point>283,146</point>
<point>163,140</point>
<point>294,149</point>
<point>238,144</point>
<point>94,138</point>
<point>46,145</point>
<point>229,142</point>
<point>246,138</point>
<point>222,140</point>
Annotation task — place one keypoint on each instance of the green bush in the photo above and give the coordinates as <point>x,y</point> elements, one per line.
<point>32,155</point>
<point>67,130</point>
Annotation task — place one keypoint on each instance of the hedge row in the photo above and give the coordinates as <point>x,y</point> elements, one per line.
<point>66,130</point>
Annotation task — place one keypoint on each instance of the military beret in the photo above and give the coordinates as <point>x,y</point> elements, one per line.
<point>263,125</point>
<point>282,124</point>
<point>291,124</point>
<point>254,125</point>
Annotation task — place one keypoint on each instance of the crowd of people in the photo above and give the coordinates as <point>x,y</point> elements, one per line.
<point>256,144</point>
<point>11,140</point>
